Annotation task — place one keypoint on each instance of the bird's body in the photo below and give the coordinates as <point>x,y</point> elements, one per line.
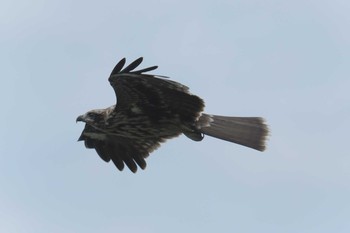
<point>151,109</point>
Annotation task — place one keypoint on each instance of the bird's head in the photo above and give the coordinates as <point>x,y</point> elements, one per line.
<point>93,117</point>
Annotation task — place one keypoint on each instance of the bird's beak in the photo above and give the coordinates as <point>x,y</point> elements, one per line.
<point>80,118</point>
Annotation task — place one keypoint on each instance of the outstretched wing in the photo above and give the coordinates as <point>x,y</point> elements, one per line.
<point>122,151</point>
<point>152,93</point>
<point>135,87</point>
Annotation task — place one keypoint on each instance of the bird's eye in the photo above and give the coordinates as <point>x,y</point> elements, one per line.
<point>91,115</point>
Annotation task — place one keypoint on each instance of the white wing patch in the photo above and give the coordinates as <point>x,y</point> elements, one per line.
<point>135,109</point>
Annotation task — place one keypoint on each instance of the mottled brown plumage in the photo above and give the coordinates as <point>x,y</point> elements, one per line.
<point>151,109</point>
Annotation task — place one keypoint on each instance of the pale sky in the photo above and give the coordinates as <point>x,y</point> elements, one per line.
<point>287,61</point>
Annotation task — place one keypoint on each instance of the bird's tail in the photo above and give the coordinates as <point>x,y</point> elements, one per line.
<point>247,131</point>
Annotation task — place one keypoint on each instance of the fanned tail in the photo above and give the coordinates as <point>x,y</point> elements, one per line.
<point>247,131</point>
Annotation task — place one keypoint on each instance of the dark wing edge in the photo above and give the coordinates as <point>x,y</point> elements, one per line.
<point>132,153</point>
<point>120,150</point>
<point>118,69</point>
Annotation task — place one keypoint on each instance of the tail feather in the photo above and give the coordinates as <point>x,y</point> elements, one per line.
<point>247,131</point>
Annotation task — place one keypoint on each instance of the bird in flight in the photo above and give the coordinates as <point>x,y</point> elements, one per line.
<point>151,109</point>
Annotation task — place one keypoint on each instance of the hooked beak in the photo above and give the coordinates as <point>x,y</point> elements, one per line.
<point>80,118</point>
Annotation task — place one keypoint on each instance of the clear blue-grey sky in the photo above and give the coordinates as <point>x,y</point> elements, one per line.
<point>288,61</point>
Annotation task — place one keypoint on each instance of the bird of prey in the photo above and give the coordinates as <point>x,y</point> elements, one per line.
<point>151,109</point>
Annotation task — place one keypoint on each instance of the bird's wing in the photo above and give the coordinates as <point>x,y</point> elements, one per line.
<point>94,138</point>
<point>122,151</point>
<point>133,87</point>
